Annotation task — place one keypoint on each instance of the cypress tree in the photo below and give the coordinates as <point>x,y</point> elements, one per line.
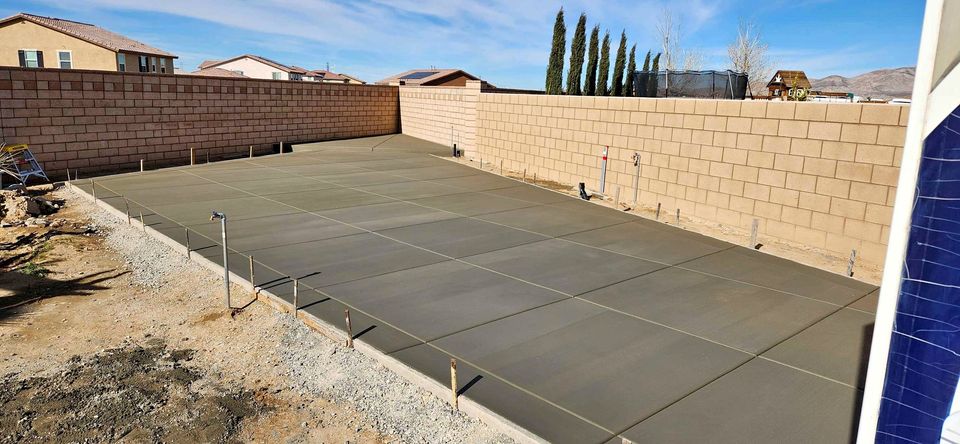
<point>617,83</point>
<point>631,71</point>
<point>652,91</point>
<point>554,84</point>
<point>590,79</point>
<point>646,62</point>
<point>577,48</point>
<point>604,72</point>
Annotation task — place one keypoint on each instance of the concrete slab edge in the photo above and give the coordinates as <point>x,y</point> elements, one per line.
<point>468,406</point>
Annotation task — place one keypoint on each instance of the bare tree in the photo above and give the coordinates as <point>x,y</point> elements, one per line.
<point>748,53</point>
<point>675,56</point>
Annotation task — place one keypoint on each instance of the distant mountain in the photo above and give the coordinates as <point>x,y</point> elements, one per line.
<point>896,83</point>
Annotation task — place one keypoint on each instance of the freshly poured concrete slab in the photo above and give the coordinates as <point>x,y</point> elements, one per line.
<point>759,402</point>
<point>387,215</point>
<point>867,303</point>
<point>319,200</point>
<point>189,212</point>
<point>473,204</point>
<point>440,299</point>
<point>462,236</point>
<point>246,235</point>
<point>342,259</point>
<point>555,219</point>
<point>549,421</point>
<point>597,363</point>
<point>530,194</point>
<point>652,241</point>
<point>411,190</point>
<point>747,265</point>
<point>837,347</point>
<point>564,266</point>
<point>280,185</point>
<point>637,341</point>
<point>169,195</point>
<point>742,316</point>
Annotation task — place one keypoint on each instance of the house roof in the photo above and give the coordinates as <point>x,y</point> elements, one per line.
<point>90,33</point>
<point>261,59</point>
<point>425,77</point>
<point>326,75</point>
<point>218,72</point>
<point>787,77</point>
<point>351,78</point>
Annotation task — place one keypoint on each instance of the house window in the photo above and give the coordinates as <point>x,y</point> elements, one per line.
<point>143,67</point>
<point>66,59</point>
<point>295,76</point>
<point>238,71</point>
<point>30,58</point>
<point>163,66</point>
<point>276,75</point>
<point>121,62</point>
<point>153,64</point>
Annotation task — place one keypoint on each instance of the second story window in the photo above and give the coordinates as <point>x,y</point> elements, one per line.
<point>153,64</point>
<point>121,62</point>
<point>163,65</point>
<point>143,64</point>
<point>276,75</point>
<point>66,59</point>
<point>30,58</point>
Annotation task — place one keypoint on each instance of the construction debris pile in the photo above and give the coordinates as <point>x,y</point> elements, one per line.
<point>23,207</point>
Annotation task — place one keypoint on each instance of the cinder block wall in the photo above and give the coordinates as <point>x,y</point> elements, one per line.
<point>819,174</point>
<point>100,122</point>
<point>439,114</point>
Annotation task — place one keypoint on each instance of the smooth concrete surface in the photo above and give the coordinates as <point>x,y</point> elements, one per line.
<point>577,322</point>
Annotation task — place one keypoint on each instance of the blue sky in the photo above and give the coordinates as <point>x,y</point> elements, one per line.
<point>506,42</point>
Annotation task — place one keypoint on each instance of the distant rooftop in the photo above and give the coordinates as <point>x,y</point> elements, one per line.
<point>90,33</point>
<point>428,77</point>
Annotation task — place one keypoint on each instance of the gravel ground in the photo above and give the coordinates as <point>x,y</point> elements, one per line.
<point>308,364</point>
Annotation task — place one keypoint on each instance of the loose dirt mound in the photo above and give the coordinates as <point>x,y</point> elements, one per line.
<point>138,393</point>
<point>26,207</point>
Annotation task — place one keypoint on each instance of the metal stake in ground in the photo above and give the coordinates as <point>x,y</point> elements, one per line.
<point>753,233</point>
<point>251,151</point>
<point>186,231</point>
<point>603,169</point>
<point>453,383</point>
<point>141,165</point>
<point>616,198</point>
<point>657,217</point>
<point>93,190</point>
<point>127,206</point>
<point>296,296</point>
<point>143,226</point>
<point>253,283</point>
<point>853,257</point>
<point>636,179</point>
<point>193,156</point>
<point>226,267</point>
<point>678,217</point>
<point>346,315</point>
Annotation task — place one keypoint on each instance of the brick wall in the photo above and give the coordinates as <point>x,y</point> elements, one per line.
<point>98,122</point>
<point>430,112</point>
<point>819,174</point>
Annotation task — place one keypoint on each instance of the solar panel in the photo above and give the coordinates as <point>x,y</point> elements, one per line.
<point>419,74</point>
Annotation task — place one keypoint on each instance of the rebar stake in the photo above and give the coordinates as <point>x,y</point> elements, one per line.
<point>127,206</point>
<point>346,315</point>
<point>296,296</point>
<point>193,156</point>
<point>186,232</point>
<point>678,217</point>
<point>251,151</point>
<point>453,384</point>
<point>143,226</point>
<point>253,284</point>
<point>853,257</point>
<point>658,211</point>
<point>753,233</point>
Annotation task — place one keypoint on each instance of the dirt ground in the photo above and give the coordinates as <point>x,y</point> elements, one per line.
<point>814,257</point>
<point>110,336</point>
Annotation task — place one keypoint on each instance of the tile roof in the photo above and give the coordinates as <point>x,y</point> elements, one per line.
<point>91,33</point>
<point>208,63</point>
<point>218,72</point>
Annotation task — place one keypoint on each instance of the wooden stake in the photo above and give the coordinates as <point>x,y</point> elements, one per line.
<point>453,384</point>
<point>346,315</point>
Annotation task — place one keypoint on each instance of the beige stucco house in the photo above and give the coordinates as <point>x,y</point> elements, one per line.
<point>32,41</point>
<point>254,67</point>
